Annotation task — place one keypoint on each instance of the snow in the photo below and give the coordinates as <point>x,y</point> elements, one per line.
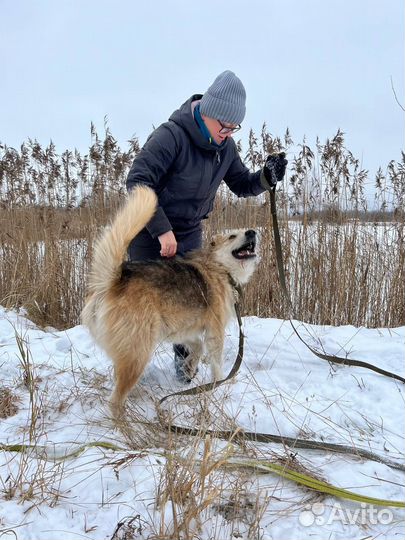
<point>51,491</point>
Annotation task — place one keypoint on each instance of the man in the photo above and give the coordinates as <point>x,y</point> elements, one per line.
<point>184,160</point>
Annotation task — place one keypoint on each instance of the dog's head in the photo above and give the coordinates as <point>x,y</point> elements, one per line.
<point>237,252</point>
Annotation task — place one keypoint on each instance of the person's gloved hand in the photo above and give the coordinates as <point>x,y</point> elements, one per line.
<point>273,170</point>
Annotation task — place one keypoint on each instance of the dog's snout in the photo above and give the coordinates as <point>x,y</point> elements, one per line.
<point>250,233</point>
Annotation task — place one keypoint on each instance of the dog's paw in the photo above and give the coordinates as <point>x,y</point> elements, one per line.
<point>117,407</point>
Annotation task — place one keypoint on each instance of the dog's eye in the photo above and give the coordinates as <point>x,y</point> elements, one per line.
<point>232,237</point>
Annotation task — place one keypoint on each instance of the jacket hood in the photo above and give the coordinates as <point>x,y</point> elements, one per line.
<point>184,117</point>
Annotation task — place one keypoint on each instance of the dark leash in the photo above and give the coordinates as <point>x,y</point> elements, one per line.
<point>240,435</point>
<point>281,273</point>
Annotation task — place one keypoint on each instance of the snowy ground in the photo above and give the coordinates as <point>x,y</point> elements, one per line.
<point>54,395</point>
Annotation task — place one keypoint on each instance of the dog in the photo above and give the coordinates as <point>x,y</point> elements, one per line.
<point>131,307</point>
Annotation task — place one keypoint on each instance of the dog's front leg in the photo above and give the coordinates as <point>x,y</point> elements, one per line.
<point>215,347</point>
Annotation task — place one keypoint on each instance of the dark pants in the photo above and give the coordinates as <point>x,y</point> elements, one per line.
<point>145,248</point>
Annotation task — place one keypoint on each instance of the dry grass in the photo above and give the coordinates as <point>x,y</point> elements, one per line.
<point>340,268</point>
<point>8,402</point>
<point>26,478</point>
<point>202,483</point>
<point>198,483</point>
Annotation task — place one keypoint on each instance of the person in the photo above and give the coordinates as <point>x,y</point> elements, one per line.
<point>184,161</point>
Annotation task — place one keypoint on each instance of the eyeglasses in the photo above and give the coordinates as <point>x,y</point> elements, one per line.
<point>226,129</point>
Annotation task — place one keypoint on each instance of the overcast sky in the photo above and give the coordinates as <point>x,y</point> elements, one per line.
<point>313,66</point>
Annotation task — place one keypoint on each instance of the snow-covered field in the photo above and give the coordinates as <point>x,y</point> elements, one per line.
<point>54,396</point>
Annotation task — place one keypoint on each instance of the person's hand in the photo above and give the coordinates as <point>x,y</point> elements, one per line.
<point>168,244</point>
<point>273,170</point>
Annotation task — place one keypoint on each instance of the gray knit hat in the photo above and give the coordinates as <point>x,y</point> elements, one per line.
<point>225,99</point>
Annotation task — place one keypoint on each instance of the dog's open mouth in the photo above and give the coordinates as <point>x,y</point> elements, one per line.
<point>247,251</point>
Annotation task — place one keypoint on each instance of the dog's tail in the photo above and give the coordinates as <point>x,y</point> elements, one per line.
<point>110,248</point>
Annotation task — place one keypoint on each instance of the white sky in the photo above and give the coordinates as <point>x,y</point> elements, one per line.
<point>313,66</point>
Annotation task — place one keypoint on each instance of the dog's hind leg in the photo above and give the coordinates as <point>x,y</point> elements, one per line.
<point>128,369</point>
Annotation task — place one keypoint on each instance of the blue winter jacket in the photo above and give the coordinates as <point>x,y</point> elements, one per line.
<point>185,171</point>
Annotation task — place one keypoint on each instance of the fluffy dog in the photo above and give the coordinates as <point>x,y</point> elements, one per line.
<point>131,307</point>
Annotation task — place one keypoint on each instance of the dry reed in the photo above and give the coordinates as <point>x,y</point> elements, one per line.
<point>343,252</point>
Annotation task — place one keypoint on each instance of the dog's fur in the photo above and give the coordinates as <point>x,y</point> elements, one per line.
<point>131,307</point>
